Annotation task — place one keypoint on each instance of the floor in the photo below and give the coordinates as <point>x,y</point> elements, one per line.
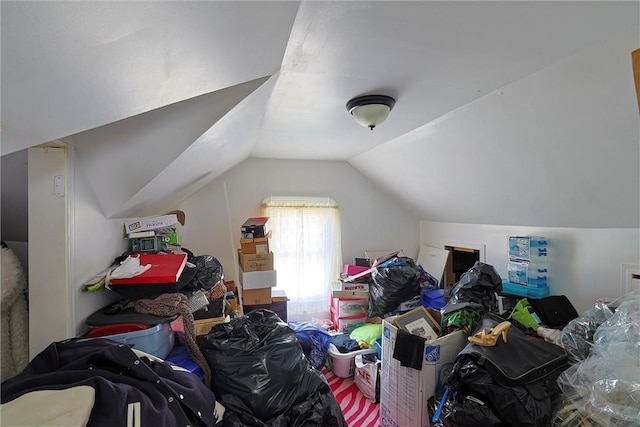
<point>358,411</point>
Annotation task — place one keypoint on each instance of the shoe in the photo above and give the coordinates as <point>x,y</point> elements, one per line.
<point>488,337</point>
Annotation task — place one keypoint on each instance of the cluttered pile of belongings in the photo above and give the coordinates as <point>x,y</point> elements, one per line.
<point>248,370</point>
<point>538,364</point>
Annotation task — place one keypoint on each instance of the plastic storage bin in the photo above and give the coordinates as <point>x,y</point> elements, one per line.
<point>379,348</point>
<point>157,340</point>
<point>528,248</point>
<point>528,273</point>
<point>509,288</point>
<point>347,324</point>
<point>346,307</point>
<point>343,365</point>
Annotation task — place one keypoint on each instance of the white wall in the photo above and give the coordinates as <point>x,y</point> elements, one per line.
<point>371,220</point>
<point>586,263</point>
<point>97,241</point>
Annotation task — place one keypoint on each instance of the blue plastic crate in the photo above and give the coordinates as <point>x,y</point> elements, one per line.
<point>510,288</point>
<point>158,340</point>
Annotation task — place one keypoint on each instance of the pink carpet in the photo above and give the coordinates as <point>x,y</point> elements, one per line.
<point>358,411</point>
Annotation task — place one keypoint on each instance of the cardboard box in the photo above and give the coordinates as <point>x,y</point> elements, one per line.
<point>256,296</point>
<point>203,326</point>
<point>404,391</point>
<point>279,295</point>
<point>151,223</point>
<point>254,227</point>
<point>258,245</point>
<point>258,279</point>
<point>255,262</point>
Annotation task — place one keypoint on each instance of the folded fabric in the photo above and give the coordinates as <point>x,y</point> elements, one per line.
<point>409,349</point>
<point>344,343</point>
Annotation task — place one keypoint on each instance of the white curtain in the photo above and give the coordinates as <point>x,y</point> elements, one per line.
<point>307,249</point>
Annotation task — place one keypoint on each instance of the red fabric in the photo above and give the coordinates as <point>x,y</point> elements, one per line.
<point>358,411</point>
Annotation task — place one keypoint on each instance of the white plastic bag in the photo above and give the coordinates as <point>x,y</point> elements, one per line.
<point>366,377</point>
<point>130,267</point>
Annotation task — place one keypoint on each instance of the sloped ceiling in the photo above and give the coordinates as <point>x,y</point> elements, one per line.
<point>514,112</point>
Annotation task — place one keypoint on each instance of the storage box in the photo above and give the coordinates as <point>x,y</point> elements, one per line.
<point>528,273</point>
<point>404,392</point>
<point>347,324</point>
<point>151,223</point>
<point>255,262</point>
<point>343,365</point>
<point>203,326</point>
<point>345,289</point>
<point>258,245</point>
<point>528,248</point>
<point>258,279</point>
<point>157,340</point>
<point>278,295</point>
<point>524,291</point>
<point>349,307</point>
<point>254,227</point>
<point>256,296</point>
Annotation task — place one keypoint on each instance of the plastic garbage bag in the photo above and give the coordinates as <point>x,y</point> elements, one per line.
<point>262,376</point>
<point>577,336</point>
<point>208,273</point>
<point>605,387</point>
<point>478,285</point>
<point>392,283</point>
<point>314,341</point>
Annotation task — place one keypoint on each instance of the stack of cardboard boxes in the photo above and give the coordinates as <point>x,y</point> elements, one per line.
<point>257,276</point>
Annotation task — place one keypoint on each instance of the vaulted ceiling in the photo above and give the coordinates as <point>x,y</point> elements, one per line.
<point>513,112</point>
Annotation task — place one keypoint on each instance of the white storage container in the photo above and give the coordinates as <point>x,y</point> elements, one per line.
<point>343,365</point>
<point>528,248</point>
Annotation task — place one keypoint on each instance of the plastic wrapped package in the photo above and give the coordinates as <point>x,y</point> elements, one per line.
<point>605,387</point>
<point>577,336</point>
<point>262,376</point>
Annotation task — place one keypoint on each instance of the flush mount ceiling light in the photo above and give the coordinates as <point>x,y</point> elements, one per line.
<point>370,110</point>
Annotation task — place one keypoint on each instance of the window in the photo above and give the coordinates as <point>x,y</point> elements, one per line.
<point>307,251</point>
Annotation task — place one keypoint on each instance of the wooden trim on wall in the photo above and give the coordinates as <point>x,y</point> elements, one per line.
<point>635,58</point>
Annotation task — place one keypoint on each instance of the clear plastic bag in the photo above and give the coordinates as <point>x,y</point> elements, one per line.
<point>577,336</point>
<point>605,386</point>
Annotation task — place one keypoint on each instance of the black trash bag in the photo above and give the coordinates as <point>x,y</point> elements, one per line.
<point>263,377</point>
<point>478,285</point>
<point>509,384</point>
<point>208,272</point>
<point>392,283</point>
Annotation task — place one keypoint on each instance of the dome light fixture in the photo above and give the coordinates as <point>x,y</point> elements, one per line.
<point>370,110</point>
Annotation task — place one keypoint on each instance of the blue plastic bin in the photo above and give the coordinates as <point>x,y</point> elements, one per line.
<point>379,348</point>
